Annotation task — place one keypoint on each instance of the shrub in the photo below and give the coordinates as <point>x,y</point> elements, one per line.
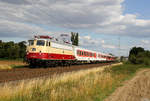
<point>139,56</point>
<point>146,61</point>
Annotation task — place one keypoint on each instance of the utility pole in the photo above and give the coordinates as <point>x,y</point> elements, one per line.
<point>119,48</point>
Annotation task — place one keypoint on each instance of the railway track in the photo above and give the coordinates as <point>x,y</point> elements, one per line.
<point>29,73</point>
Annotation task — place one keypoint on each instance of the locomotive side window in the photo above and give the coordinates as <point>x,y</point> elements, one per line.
<point>48,43</point>
<point>40,43</point>
<point>31,42</point>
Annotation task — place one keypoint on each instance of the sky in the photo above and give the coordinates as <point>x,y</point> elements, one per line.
<point>103,25</point>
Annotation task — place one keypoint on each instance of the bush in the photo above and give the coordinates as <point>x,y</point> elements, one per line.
<point>139,56</point>
<point>146,61</point>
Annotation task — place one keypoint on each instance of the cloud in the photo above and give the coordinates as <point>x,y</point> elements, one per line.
<point>108,46</point>
<point>15,29</point>
<point>98,16</point>
<point>102,41</point>
<point>145,41</point>
<point>88,41</point>
<point>17,2</point>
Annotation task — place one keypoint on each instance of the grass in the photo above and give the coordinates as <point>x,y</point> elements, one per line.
<point>85,85</point>
<point>17,59</point>
<point>9,64</point>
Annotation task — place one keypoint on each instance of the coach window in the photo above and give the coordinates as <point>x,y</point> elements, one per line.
<point>87,53</point>
<point>82,53</point>
<point>90,54</point>
<point>78,52</point>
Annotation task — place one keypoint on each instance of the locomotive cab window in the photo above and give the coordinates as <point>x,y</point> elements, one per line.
<point>31,42</point>
<point>40,43</point>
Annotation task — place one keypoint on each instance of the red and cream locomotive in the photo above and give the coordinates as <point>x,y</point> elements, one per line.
<point>45,50</point>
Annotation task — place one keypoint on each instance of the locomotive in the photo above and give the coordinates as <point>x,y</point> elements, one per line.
<point>45,50</point>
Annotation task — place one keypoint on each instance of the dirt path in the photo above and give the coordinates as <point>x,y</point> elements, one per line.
<point>136,89</point>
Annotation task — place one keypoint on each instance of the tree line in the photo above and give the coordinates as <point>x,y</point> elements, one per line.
<point>11,50</point>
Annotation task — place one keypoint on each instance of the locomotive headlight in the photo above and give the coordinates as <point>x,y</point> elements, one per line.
<point>40,52</point>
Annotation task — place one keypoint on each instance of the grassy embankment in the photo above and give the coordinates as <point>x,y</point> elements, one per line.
<point>85,85</point>
<point>9,63</point>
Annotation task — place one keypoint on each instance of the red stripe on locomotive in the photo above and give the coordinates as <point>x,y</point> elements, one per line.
<point>50,56</point>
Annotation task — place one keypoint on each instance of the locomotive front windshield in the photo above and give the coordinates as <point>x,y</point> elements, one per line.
<point>40,43</point>
<point>31,42</point>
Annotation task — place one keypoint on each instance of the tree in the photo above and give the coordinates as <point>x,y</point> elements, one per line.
<point>75,38</point>
<point>134,52</point>
<point>72,37</point>
<point>138,55</point>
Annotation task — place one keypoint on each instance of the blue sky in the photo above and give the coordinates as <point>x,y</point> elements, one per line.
<point>100,23</point>
<point>140,7</point>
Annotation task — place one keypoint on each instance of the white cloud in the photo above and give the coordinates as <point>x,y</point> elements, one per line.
<point>20,29</point>
<point>88,41</point>
<point>108,46</point>
<point>102,41</point>
<point>87,37</point>
<point>145,41</point>
<point>99,16</point>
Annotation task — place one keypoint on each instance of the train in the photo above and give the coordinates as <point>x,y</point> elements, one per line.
<point>48,51</point>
